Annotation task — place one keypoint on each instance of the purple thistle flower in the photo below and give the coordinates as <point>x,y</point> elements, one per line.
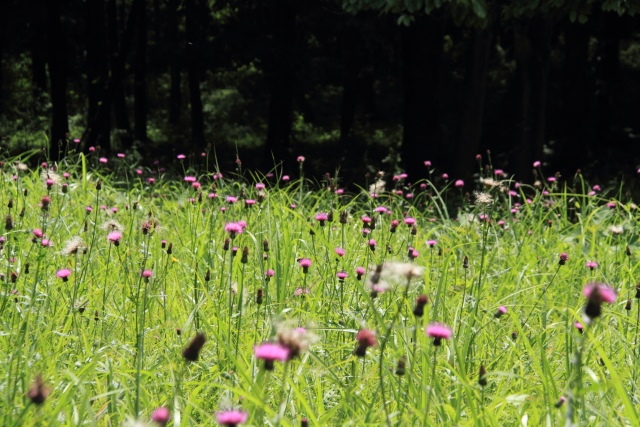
<point>161,415</point>
<point>271,352</point>
<point>233,228</point>
<point>231,418</point>
<point>114,237</point>
<point>438,332</point>
<point>64,274</point>
<point>360,272</point>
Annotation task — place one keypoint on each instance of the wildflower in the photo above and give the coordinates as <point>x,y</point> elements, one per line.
<point>394,226</point>
<point>342,275</point>
<point>146,274</point>
<point>438,332</point>
<point>321,218</point>
<point>459,183</point>
<point>231,418</point>
<point>377,187</point>
<point>300,159</point>
<point>563,258</point>
<point>38,393</point>
<point>259,296</point>
<point>231,199</point>
<point>579,326</point>
<point>112,225</point>
<point>45,202</point>
<point>260,186</point>
<point>427,163</point>
<point>431,243</point>
<point>421,301</point>
<point>271,352</point>
<point>596,294</point>
<point>161,415</point>
<point>285,178</point>
<point>412,254</point>
<point>192,350</point>
<point>561,400</point>
<point>38,233</point>
<point>245,255</point>
<point>502,310</point>
<point>372,244</point>
<point>114,237</point>
<point>445,176</point>
<point>181,157</point>
<point>366,339</point>
<point>305,263</point>
<point>297,340</point>
<point>409,221</point>
<point>64,274</point>
<point>591,265</point>
<point>339,251</point>
<point>401,367</point>
<point>233,228</point>
<point>482,379</point>
<point>359,272</point>
<point>249,202</point>
<point>268,274</point>
<point>638,290</point>
<point>72,246</point>
<point>190,179</point>
<point>300,292</point>
<point>400,270</point>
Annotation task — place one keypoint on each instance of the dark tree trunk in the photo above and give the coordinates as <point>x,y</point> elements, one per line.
<point>140,104</point>
<point>97,71</point>
<point>57,62</point>
<point>175,64</point>
<point>37,45</point>
<point>576,132</point>
<point>193,74</point>
<point>118,66</point>
<point>532,48</point>
<point>422,137</point>
<point>475,86</point>
<point>281,74</point>
<point>118,103</point>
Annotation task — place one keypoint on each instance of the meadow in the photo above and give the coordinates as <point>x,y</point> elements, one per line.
<point>135,296</point>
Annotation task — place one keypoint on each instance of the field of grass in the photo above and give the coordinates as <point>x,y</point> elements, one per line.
<point>125,290</point>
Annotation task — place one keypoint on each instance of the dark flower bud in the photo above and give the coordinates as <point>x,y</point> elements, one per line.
<point>372,223</point>
<point>401,367</point>
<point>638,290</point>
<point>304,422</point>
<point>259,296</point>
<point>265,245</point>
<point>330,216</point>
<point>99,185</point>
<point>8,222</point>
<point>207,275</point>
<point>514,335</point>
<point>482,379</point>
<point>38,393</point>
<point>344,216</point>
<point>178,331</point>
<point>414,230</point>
<point>26,268</point>
<point>65,188</point>
<point>627,306</point>
<point>311,232</point>
<point>10,204</point>
<point>245,255</point>
<point>86,226</point>
<point>560,402</point>
<point>465,262</point>
<point>21,214</point>
<point>192,350</point>
<point>563,258</point>
<point>421,301</point>
<point>96,315</point>
<point>14,277</point>
<point>628,250</point>
<point>170,249</point>
<point>25,192</point>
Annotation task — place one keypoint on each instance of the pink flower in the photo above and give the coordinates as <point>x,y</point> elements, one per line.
<point>120,155</point>
<point>38,233</point>
<point>146,273</point>
<point>151,180</point>
<point>190,178</point>
<point>233,228</point>
<point>409,221</point>
<point>46,243</point>
<point>502,310</point>
<point>271,352</point>
<point>300,292</point>
<point>427,163</point>
<point>64,274</point>
<point>249,202</point>
<point>103,160</point>
<point>212,196</point>
<point>339,251</point>
<point>285,178</point>
<point>231,418</point>
<point>459,183</point>
<point>341,275</point>
<point>260,186</point>
<point>161,415</point>
<point>321,217</point>
<point>438,332</point>
<point>431,243</point>
<point>269,273</point>
<point>181,157</point>
<point>114,237</point>
<point>591,264</point>
<point>445,176</point>
<point>231,199</point>
<point>360,272</point>
<point>607,294</point>
<point>536,164</point>
<point>301,159</point>
<point>305,263</point>
<point>366,339</point>
<point>380,209</point>
<point>196,185</point>
<point>372,244</point>
<point>563,258</point>
<point>551,179</point>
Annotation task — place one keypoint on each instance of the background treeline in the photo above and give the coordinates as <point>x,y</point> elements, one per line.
<point>353,83</point>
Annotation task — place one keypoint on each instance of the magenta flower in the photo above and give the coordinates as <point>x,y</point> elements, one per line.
<point>445,176</point>
<point>285,178</point>
<point>409,221</point>
<point>431,243</point>
<point>579,326</point>
<point>321,217</point>
<point>301,159</point>
<point>161,415</point>
<point>381,209</point>
<point>502,310</point>
<point>38,233</point>
<point>271,352</point>
<point>536,164</point>
<point>342,275</point>
<point>114,237</point>
<point>372,244</point>
<point>233,228</point>
<point>591,264</point>
<point>103,160</point>
<point>305,263</point>
<point>564,258</point>
<point>427,163</point>
<point>64,274</point>
<point>231,418</point>
<point>231,199</point>
<point>269,273</point>
<point>597,294</point>
<point>339,251</point>
<point>181,157</point>
<point>146,274</point>
<point>365,220</point>
<point>366,339</point>
<point>459,183</point>
<point>438,332</point>
<point>360,272</point>
<point>260,186</point>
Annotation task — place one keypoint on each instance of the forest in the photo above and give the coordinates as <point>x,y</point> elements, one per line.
<point>358,85</point>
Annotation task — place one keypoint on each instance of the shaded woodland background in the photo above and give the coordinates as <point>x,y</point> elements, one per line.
<point>359,84</point>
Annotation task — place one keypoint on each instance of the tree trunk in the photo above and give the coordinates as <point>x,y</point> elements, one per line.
<point>140,104</point>
<point>175,63</point>
<point>193,75</point>
<point>281,74</point>
<point>475,84</point>
<point>57,62</point>
<point>422,138</point>
<point>576,132</point>
<point>532,47</point>
<point>118,102</point>
<point>97,71</point>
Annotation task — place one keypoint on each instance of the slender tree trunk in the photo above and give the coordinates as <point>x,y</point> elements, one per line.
<point>193,74</point>
<point>422,138</point>
<point>118,103</point>
<point>475,84</point>
<point>532,46</point>
<point>57,62</point>
<point>140,104</point>
<point>97,71</point>
<point>175,63</point>
<point>281,74</point>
